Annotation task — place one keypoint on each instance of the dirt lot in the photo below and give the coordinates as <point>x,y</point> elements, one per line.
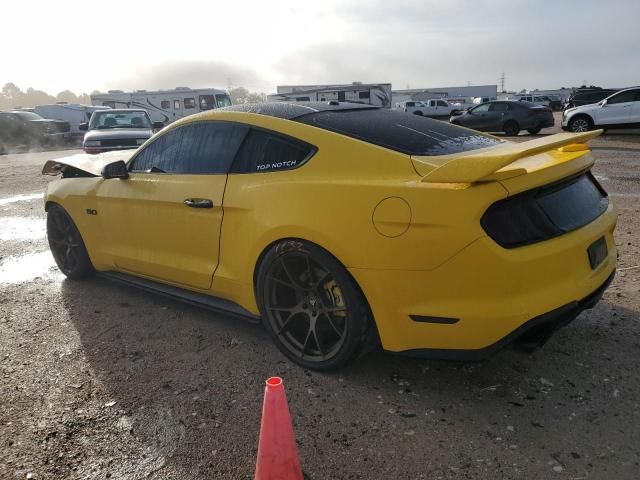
<point>102,381</point>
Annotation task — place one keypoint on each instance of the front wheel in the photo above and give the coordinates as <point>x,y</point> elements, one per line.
<point>66,244</point>
<point>312,308</point>
<point>580,123</point>
<point>417,112</point>
<point>511,128</point>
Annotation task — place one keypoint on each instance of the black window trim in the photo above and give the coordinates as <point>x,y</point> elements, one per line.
<point>198,122</point>
<point>312,151</point>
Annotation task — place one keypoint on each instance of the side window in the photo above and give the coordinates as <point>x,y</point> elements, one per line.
<point>165,104</point>
<point>109,104</point>
<point>267,152</point>
<point>197,148</point>
<point>206,102</point>
<point>176,104</point>
<point>623,97</point>
<point>189,103</point>
<point>411,104</point>
<point>441,103</point>
<point>499,107</point>
<point>481,108</point>
<point>363,95</point>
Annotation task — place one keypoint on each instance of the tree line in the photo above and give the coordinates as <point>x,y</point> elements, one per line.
<point>13,97</point>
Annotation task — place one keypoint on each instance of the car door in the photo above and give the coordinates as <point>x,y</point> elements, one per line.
<point>164,221</point>
<point>497,115</point>
<point>618,109</point>
<point>476,116</point>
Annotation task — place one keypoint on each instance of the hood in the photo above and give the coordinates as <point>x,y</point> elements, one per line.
<point>581,108</point>
<point>118,133</point>
<point>84,164</point>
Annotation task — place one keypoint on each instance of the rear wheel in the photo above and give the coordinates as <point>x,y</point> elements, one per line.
<point>534,131</point>
<point>580,123</point>
<point>511,128</point>
<point>66,244</point>
<point>312,308</point>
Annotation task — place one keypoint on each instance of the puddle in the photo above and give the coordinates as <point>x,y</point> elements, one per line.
<point>24,268</point>
<point>20,198</point>
<point>22,228</point>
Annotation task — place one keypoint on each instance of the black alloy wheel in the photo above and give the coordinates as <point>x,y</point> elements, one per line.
<point>66,244</point>
<point>511,128</point>
<point>312,308</point>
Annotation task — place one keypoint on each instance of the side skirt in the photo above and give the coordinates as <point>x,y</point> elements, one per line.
<point>209,302</point>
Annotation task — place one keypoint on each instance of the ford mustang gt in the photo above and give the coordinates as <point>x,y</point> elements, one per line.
<point>345,226</point>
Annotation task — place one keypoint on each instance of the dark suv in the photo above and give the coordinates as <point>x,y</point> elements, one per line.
<point>588,96</point>
<point>19,127</point>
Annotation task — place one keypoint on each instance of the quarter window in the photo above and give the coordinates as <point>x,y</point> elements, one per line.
<point>189,103</point>
<point>165,104</point>
<point>198,148</point>
<point>267,152</point>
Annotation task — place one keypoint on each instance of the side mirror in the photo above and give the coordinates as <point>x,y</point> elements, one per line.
<point>115,170</point>
<point>83,127</point>
<point>158,125</point>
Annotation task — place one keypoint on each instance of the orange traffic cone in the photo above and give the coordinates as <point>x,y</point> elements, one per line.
<point>277,450</point>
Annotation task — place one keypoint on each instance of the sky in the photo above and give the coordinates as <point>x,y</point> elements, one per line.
<point>92,45</point>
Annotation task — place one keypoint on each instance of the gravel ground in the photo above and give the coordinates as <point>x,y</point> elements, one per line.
<point>98,380</point>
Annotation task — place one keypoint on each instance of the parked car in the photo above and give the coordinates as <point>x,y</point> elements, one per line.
<point>505,116</point>
<point>327,209</point>
<point>479,100</point>
<point>620,110</point>
<point>429,108</point>
<point>588,96</point>
<point>73,113</point>
<point>119,129</point>
<point>545,100</point>
<point>20,127</point>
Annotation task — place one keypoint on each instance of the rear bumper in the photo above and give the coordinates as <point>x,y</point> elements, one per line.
<point>488,295</point>
<point>534,332</point>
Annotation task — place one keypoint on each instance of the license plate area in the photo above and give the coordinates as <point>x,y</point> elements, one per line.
<point>597,252</point>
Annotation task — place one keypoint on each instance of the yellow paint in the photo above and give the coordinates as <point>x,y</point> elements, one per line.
<point>421,251</point>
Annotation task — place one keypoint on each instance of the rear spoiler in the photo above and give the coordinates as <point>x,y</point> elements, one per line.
<point>484,165</point>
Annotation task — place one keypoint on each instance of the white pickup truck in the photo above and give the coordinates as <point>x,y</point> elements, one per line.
<point>430,108</point>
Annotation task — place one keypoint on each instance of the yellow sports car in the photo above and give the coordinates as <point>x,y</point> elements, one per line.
<point>344,226</point>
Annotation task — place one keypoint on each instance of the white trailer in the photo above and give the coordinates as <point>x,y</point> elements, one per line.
<point>74,113</point>
<point>367,93</point>
<point>165,106</point>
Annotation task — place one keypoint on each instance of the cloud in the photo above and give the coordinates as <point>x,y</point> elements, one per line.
<point>190,73</point>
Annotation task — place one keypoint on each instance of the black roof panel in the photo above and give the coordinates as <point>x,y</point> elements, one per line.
<point>292,110</point>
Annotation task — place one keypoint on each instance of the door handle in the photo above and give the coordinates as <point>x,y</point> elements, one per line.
<point>198,203</point>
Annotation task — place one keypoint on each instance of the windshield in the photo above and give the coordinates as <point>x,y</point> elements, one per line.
<point>28,115</point>
<point>120,119</point>
<point>223,100</point>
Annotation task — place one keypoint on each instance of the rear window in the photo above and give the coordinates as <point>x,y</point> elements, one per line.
<point>399,131</point>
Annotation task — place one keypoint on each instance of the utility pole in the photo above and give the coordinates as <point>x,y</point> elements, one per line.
<point>501,82</point>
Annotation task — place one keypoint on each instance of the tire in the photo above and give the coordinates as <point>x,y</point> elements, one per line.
<point>66,244</point>
<point>534,131</point>
<point>511,128</point>
<point>312,308</point>
<point>417,112</point>
<point>580,123</point>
